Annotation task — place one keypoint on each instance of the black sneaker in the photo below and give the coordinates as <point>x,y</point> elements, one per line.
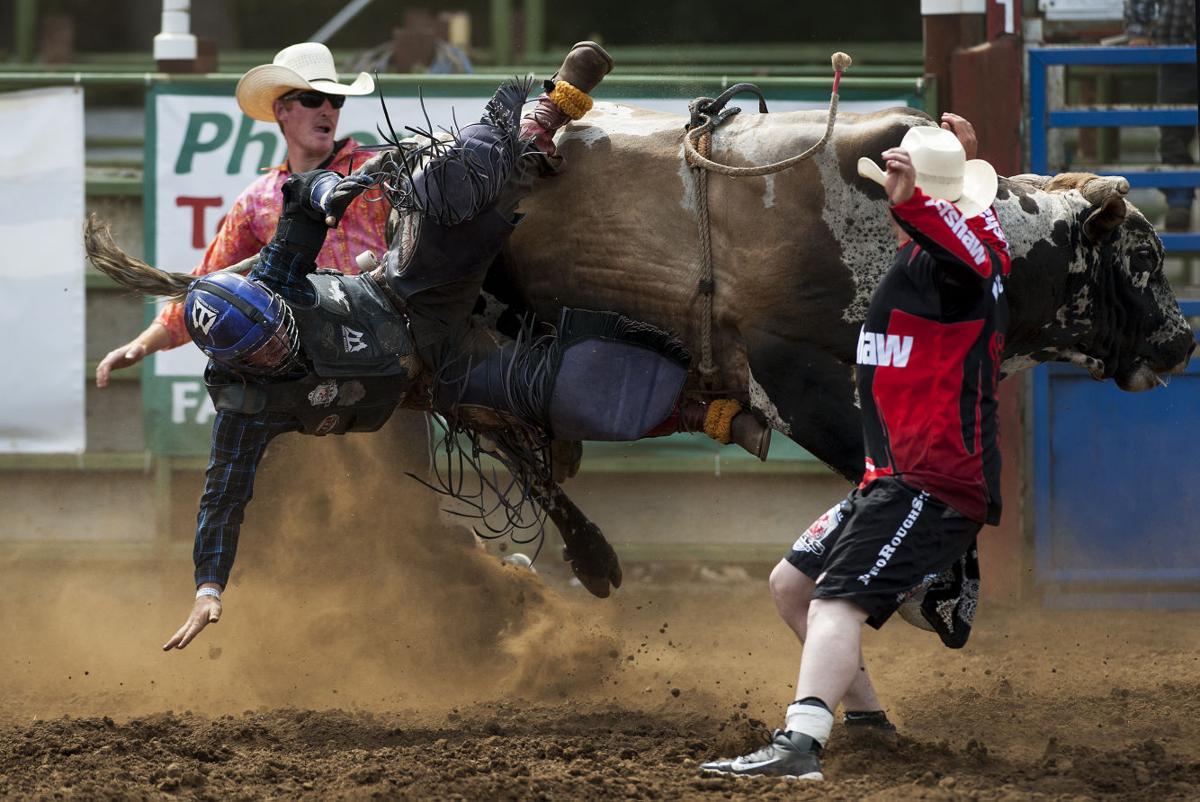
<point>790,754</point>
<point>869,724</point>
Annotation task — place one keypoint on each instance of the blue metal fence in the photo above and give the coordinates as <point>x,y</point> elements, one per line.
<point>1116,506</point>
<point>1042,118</point>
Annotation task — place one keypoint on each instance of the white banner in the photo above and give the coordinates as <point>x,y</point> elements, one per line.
<point>42,303</point>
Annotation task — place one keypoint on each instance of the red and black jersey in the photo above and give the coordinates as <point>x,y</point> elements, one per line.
<point>929,358</point>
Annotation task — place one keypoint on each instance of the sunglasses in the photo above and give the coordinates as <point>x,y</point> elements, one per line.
<point>313,100</point>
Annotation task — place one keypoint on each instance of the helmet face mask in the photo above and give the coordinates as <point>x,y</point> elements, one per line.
<point>242,325</point>
<point>279,354</point>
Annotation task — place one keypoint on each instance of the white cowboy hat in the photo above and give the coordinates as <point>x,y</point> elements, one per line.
<point>308,65</point>
<point>943,170</point>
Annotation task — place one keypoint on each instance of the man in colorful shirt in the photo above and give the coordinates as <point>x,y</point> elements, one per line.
<point>928,362</point>
<point>299,90</point>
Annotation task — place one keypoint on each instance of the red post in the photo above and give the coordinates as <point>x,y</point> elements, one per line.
<point>974,49</point>
<point>949,25</point>
<point>1003,17</point>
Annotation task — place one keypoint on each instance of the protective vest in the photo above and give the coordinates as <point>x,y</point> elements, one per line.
<point>360,363</point>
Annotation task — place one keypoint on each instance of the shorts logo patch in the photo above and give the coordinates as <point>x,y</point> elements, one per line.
<point>326,425</point>
<point>813,539</point>
<point>323,394</point>
<point>889,548</point>
<point>351,393</point>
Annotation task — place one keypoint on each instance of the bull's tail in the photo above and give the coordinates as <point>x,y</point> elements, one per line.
<point>134,274</point>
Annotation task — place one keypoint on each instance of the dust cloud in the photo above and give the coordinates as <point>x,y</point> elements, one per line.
<point>349,591</point>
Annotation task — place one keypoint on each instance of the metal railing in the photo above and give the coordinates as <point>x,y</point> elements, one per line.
<point>1042,117</point>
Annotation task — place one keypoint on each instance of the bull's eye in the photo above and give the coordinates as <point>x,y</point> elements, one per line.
<point>1145,260</point>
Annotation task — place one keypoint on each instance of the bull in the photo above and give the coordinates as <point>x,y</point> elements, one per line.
<point>797,254</point>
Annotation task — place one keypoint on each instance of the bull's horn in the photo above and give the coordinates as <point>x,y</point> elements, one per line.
<point>1098,189</point>
<point>841,61</point>
<point>1119,184</point>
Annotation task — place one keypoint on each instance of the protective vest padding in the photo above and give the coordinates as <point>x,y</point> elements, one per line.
<point>361,357</point>
<point>322,405</point>
<point>353,330</point>
<point>615,378</point>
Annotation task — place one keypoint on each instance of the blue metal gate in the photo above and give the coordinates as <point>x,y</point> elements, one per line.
<point>1042,118</point>
<point>1116,491</point>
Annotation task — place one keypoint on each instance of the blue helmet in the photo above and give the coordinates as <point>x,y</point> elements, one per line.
<point>241,324</point>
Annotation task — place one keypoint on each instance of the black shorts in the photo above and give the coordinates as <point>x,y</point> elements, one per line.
<point>880,542</point>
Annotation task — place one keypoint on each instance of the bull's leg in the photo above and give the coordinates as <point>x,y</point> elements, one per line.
<point>811,393</point>
<point>591,557</point>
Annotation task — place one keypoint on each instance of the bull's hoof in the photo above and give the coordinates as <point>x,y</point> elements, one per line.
<point>598,569</point>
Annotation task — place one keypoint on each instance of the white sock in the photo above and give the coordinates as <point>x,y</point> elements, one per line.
<point>811,720</point>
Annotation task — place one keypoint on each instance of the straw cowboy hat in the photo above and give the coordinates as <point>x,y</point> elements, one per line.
<point>308,65</point>
<point>943,170</point>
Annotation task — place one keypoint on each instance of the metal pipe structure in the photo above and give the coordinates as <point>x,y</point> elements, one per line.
<point>657,84</point>
<point>25,29</point>
<point>501,31</point>
<point>535,27</point>
<point>175,42</point>
<point>339,20</point>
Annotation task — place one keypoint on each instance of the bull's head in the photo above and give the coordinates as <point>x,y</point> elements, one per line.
<point>1087,284</point>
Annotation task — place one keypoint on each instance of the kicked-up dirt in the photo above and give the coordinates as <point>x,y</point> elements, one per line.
<point>1038,706</point>
<point>365,651</point>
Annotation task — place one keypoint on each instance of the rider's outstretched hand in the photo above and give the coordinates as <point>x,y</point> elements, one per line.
<point>205,610</point>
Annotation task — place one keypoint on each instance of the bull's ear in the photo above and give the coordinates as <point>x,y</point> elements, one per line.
<point>1105,219</point>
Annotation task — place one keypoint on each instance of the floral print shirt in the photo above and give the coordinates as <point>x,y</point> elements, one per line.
<point>251,222</point>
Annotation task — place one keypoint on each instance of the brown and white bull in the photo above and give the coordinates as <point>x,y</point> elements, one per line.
<point>798,253</point>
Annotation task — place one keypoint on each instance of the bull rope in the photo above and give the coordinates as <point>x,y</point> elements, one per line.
<point>707,114</point>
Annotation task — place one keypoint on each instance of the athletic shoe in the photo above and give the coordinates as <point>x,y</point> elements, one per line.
<point>870,724</point>
<point>790,754</point>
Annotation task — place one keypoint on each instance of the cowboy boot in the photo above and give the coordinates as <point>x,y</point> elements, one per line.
<point>725,421</point>
<point>566,97</point>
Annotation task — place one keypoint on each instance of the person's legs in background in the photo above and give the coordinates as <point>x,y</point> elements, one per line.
<point>1177,84</point>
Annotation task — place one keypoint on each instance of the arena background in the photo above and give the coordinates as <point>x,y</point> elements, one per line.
<point>369,649</point>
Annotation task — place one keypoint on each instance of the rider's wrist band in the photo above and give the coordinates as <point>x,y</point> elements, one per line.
<point>216,594</point>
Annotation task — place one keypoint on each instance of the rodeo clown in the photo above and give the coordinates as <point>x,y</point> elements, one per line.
<point>297,349</point>
<point>928,364</point>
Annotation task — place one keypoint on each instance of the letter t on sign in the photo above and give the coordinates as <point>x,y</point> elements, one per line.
<point>199,240</point>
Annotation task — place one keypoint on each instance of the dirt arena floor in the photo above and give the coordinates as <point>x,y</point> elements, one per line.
<point>381,657</point>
